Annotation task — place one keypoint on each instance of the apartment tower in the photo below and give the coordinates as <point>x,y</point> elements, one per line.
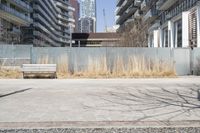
<point>52,20</point>
<point>170,23</point>
<point>88,16</point>
<point>14,14</point>
<point>76,13</point>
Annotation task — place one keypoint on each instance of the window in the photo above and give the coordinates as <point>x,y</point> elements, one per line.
<point>178,33</point>
<point>165,37</point>
<point>151,40</point>
<point>193,28</point>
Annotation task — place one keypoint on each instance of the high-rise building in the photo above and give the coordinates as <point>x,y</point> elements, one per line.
<point>86,25</point>
<point>170,23</point>
<point>14,14</point>
<point>76,13</point>
<point>88,8</point>
<point>38,22</point>
<point>52,20</point>
<point>88,15</point>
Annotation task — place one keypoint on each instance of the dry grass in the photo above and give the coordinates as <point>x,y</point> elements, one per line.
<point>143,67</point>
<point>63,67</point>
<point>133,67</point>
<point>96,68</point>
<point>10,73</point>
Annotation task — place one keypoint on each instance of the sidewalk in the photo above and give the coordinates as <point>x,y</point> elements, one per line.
<point>100,103</point>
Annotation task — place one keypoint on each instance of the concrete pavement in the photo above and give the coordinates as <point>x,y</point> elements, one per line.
<point>103,102</point>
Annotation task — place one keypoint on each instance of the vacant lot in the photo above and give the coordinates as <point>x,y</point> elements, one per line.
<point>86,100</point>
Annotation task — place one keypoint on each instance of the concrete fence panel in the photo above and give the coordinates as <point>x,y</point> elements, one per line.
<point>81,58</point>
<point>185,60</point>
<point>49,54</point>
<point>182,62</point>
<point>15,55</point>
<point>196,61</point>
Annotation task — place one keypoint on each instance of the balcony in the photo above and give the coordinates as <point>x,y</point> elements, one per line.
<point>13,15</point>
<point>122,8</point>
<point>48,18</point>
<point>66,30</point>
<point>71,20</point>
<point>22,4</point>
<point>65,2</point>
<point>65,7</point>
<point>119,2</point>
<point>126,4</point>
<point>151,15</point>
<point>155,26</point>
<point>137,2</point>
<point>129,21</point>
<point>62,23</point>
<point>117,10</point>
<point>38,34</point>
<point>126,15</point>
<point>178,9</point>
<point>15,30</point>
<point>144,5</point>
<point>48,24</point>
<point>62,18</point>
<point>165,4</point>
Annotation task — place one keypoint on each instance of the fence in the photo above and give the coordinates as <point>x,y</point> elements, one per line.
<point>185,60</point>
<point>14,55</point>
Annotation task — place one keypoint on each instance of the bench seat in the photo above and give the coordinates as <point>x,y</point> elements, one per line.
<point>39,70</point>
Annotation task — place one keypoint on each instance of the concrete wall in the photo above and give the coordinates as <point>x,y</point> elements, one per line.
<point>15,54</point>
<point>196,60</point>
<point>185,60</point>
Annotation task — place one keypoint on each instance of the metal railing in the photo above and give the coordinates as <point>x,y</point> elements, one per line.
<point>15,13</point>
<point>23,4</point>
<point>183,6</point>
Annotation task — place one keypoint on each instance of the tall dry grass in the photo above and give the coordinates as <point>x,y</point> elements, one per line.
<point>94,68</point>
<point>62,64</point>
<point>11,73</point>
<point>97,67</point>
<point>102,67</point>
<point>6,73</point>
<point>134,66</point>
<point>140,66</point>
<point>63,67</point>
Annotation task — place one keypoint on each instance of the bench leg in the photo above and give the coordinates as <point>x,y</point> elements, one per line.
<point>55,75</point>
<point>24,75</point>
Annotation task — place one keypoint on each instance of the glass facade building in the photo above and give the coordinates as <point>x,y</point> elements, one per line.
<point>88,13</point>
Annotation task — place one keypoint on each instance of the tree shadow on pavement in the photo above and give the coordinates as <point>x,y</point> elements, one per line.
<point>159,103</point>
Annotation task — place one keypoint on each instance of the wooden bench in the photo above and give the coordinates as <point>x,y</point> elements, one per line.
<point>39,70</point>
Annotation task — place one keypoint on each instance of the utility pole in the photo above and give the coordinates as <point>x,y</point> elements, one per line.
<point>104,15</point>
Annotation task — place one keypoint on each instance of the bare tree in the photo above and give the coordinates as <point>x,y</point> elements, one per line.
<point>135,34</point>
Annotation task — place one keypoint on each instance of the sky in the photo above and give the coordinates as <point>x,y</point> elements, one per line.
<point>109,6</point>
